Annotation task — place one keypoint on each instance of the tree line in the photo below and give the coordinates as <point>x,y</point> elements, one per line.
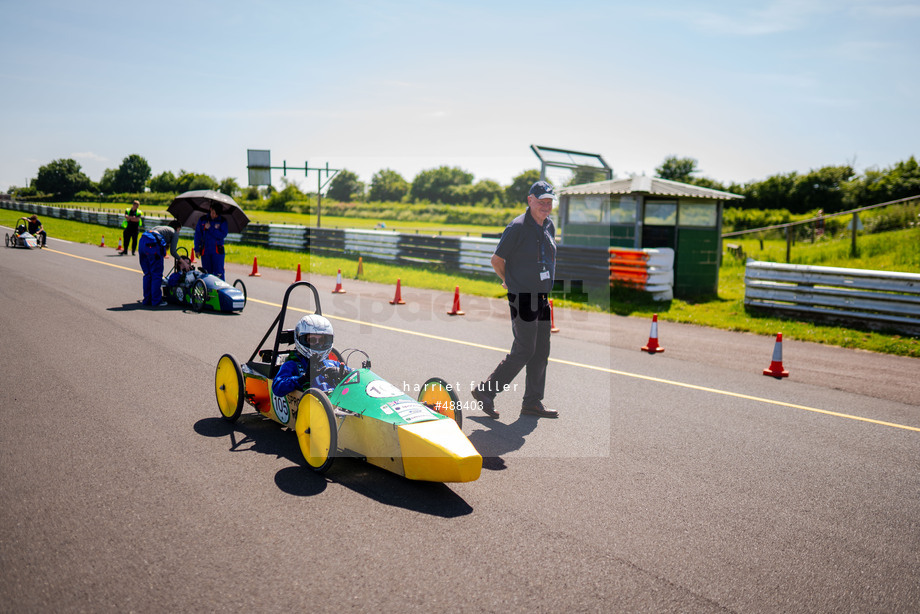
<point>830,188</point>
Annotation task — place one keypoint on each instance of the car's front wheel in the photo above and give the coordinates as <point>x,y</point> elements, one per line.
<point>316,430</point>
<point>442,398</point>
<point>239,285</point>
<point>229,387</point>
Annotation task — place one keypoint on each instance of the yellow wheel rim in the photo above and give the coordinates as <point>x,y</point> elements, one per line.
<point>227,387</point>
<point>314,431</point>
<point>436,395</point>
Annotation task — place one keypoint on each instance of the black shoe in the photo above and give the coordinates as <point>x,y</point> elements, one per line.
<point>486,403</point>
<point>539,411</point>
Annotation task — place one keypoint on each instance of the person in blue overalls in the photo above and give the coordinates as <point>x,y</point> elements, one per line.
<point>310,367</point>
<point>210,233</point>
<point>151,251</point>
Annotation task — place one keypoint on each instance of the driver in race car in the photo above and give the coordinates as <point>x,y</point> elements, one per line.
<point>310,367</point>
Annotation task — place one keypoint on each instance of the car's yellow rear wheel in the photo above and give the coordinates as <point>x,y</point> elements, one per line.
<point>229,387</point>
<point>439,396</point>
<point>316,430</point>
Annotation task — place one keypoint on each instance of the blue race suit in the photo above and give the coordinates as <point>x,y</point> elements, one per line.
<point>152,250</point>
<point>293,375</point>
<point>210,242</point>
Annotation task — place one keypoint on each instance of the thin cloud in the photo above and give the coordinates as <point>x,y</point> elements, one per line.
<point>778,16</point>
<point>88,155</point>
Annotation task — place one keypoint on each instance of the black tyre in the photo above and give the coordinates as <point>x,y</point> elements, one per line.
<point>239,285</point>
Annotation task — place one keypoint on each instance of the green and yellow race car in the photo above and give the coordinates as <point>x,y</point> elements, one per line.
<point>364,416</point>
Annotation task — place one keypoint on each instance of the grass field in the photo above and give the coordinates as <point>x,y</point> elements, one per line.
<point>894,251</point>
<point>278,217</point>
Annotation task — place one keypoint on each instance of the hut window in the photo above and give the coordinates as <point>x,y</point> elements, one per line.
<point>698,214</point>
<point>660,212</point>
<point>588,209</point>
<point>623,210</point>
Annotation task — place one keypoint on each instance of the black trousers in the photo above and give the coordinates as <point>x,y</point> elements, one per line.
<point>530,325</point>
<point>130,236</point>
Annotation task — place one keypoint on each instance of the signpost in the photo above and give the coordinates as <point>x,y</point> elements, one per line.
<point>259,166</point>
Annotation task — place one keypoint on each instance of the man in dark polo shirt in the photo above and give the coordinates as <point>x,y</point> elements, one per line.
<point>525,260</point>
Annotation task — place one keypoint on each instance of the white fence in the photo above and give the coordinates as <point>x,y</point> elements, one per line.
<point>879,299</point>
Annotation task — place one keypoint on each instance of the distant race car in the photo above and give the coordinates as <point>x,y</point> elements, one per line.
<point>21,236</point>
<point>199,289</point>
<point>364,416</point>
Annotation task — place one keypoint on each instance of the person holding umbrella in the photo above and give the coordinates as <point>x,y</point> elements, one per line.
<point>210,233</point>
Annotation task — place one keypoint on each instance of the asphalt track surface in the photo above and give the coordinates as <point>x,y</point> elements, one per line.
<point>681,482</point>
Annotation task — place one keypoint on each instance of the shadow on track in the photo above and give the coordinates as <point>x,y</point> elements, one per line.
<point>500,438</point>
<point>252,433</point>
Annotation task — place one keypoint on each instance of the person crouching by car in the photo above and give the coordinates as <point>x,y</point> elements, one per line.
<point>310,367</point>
<point>210,233</point>
<point>36,230</point>
<point>151,251</point>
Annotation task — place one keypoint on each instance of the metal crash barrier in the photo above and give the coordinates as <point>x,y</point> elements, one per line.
<point>880,299</point>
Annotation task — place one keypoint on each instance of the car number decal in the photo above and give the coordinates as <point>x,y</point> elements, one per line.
<point>380,389</point>
<point>280,405</point>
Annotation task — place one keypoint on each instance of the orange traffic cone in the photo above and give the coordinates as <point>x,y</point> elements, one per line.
<point>192,259</point>
<point>103,241</point>
<point>255,267</point>
<point>456,309</point>
<point>338,283</point>
<point>119,246</point>
<point>653,346</point>
<point>360,271</point>
<point>776,367</point>
<point>552,319</point>
<point>296,279</point>
<point>397,300</point>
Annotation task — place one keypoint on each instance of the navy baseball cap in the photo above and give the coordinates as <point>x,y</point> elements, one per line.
<point>541,189</point>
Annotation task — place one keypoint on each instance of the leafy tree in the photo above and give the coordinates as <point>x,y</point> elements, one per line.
<point>252,193</point>
<point>229,186</point>
<point>712,184</point>
<point>486,193</point>
<point>195,181</point>
<point>107,183</point>
<point>771,193</point>
<point>132,175</point>
<point>279,199</point>
<point>820,189</point>
<point>388,186</point>
<point>345,187</point>
<point>516,193</point>
<point>164,182</point>
<point>434,185</point>
<point>63,178</point>
<point>677,169</point>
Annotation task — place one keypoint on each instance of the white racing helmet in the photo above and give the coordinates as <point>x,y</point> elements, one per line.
<point>313,337</point>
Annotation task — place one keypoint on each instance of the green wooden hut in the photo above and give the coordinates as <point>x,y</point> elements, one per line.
<point>640,212</point>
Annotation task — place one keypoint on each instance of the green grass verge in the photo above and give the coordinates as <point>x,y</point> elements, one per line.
<point>328,221</point>
<point>895,251</point>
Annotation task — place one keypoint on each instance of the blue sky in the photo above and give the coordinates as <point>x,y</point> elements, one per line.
<point>749,89</point>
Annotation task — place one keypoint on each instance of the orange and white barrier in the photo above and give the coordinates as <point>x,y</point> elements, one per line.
<point>651,270</point>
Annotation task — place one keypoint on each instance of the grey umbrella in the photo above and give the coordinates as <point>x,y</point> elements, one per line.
<point>188,207</point>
